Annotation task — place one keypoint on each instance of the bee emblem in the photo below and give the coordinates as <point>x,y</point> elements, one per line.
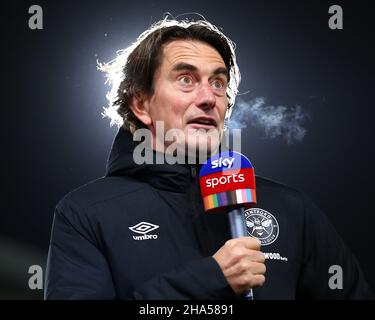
<point>262,225</point>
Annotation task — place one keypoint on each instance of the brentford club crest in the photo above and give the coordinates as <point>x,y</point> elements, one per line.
<point>261,225</point>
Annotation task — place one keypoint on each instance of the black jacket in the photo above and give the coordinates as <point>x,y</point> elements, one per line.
<point>94,254</point>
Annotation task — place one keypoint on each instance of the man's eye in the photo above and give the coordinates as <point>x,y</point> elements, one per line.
<point>218,84</point>
<point>186,80</point>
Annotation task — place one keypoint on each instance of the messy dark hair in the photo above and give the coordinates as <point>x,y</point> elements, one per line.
<point>132,72</point>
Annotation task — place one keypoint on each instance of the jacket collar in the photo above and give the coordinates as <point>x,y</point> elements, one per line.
<point>176,177</point>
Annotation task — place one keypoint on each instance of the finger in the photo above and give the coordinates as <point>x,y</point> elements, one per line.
<point>257,268</point>
<point>252,243</point>
<point>247,242</point>
<point>256,256</point>
<point>257,281</point>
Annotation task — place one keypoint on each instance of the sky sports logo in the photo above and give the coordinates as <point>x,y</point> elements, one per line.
<point>226,170</point>
<point>227,179</point>
<point>234,178</point>
<point>222,162</point>
<point>225,163</point>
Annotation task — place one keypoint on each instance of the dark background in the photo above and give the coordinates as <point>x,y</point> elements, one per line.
<point>54,138</point>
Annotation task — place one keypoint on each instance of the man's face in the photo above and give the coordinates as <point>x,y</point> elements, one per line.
<point>190,94</point>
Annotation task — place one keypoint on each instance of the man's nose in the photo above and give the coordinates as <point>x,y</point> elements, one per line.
<point>205,98</point>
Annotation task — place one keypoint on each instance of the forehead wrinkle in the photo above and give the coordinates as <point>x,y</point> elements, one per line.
<point>173,56</point>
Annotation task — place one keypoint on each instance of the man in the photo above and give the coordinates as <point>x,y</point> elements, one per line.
<point>141,232</point>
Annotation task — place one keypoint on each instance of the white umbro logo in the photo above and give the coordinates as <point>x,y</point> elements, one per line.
<point>143,228</point>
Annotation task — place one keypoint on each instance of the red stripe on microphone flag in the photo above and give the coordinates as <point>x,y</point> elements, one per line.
<point>228,180</point>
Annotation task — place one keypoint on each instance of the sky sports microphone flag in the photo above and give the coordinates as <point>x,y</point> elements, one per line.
<point>227,180</point>
<point>227,184</point>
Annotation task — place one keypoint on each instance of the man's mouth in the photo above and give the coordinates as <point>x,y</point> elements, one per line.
<point>203,122</point>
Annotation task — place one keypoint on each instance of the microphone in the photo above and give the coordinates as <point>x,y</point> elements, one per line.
<point>227,183</point>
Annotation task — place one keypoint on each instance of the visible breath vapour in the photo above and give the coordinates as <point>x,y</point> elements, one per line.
<point>277,121</point>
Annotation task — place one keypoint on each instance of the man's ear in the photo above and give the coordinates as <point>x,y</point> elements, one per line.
<point>141,108</point>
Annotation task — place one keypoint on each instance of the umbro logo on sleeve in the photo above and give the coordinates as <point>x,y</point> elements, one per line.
<point>144,228</point>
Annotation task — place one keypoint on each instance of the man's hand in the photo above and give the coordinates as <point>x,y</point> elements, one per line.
<point>242,263</point>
